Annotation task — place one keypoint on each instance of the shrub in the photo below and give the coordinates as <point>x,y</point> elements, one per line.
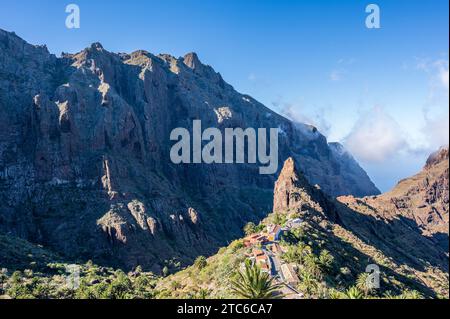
<point>354,293</point>
<point>250,229</point>
<point>165,271</point>
<point>326,259</point>
<point>200,262</point>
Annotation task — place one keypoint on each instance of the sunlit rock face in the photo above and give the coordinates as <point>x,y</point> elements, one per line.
<point>84,155</point>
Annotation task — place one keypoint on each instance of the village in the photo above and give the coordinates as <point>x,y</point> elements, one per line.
<point>266,252</point>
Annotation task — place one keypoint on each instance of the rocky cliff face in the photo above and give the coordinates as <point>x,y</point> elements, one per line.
<point>84,155</point>
<point>359,238</point>
<point>293,193</point>
<point>422,199</point>
<point>375,230</point>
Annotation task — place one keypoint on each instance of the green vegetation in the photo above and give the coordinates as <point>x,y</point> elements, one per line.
<point>252,283</point>
<point>211,281</point>
<point>200,262</point>
<point>354,293</point>
<point>363,285</point>
<point>407,294</point>
<point>278,219</point>
<point>94,283</point>
<point>250,228</point>
<point>165,271</point>
<point>326,267</point>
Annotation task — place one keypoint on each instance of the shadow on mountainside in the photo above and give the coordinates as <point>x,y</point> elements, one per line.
<point>400,239</point>
<point>346,255</point>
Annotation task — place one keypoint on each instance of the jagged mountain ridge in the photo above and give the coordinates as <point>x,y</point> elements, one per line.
<point>392,231</point>
<point>378,225</point>
<point>422,199</point>
<point>355,236</point>
<point>84,155</point>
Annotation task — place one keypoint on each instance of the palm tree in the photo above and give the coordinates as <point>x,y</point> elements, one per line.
<point>203,293</point>
<point>411,294</point>
<point>200,262</point>
<point>252,283</point>
<point>354,293</point>
<point>250,229</point>
<point>312,266</point>
<point>308,283</point>
<point>407,294</point>
<point>363,284</point>
<point>326,259</point>
<point>389,295</point>
<point>292,255</point>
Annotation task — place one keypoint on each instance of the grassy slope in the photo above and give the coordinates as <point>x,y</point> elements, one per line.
<point>350,258</point>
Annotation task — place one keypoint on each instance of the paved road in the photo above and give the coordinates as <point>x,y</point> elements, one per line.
<point>288,291</point>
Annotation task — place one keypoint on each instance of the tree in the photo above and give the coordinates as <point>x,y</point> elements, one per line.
<point>407,294</point>
<point>203,294</point>
<point>326,259</point>
<point>308,284</point>
<point>363,284</point>
<point>336,294</point>
<point>354,293</point>
<point>312,265</point>
<point>295,235</point>
<point>290,255</point>
<point>278,219</point>
<point>252,283</point>
<point>165,271</point>
<point>200,262</point>
<point>389,295</point>
<point>120,287</point>
<point>411,294</point>
<point>250,229</point>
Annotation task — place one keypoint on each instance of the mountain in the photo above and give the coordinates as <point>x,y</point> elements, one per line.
<point>324,249</point>
<point>372,225</point>
<point>84,156</point>
<point>422,200</point>
<point>334,242</point>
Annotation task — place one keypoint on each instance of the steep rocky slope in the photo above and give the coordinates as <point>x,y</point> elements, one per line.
<point>408,260</point>
<point>84,155</point>
<point>382,234</point>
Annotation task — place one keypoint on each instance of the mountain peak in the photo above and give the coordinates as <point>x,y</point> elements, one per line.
<point>290,184</point>
<point>12,42</point>
<point>191,60</point>
<point>288,167</point>
<point>5,34</point>
<point>437,157</point>
<point>97,46</point>
<point>112,106</point>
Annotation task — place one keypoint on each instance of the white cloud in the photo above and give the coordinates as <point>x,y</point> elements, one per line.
<point>437,71</point>
<point>436,130</point>
<point>443,75</point>
<point>252,77</point>
<point>375,137</point>
<point>295,114</point>
<point>336,75</point>
<point>436,111</point>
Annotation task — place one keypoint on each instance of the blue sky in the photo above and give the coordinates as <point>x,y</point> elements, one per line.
<point>383,92</point>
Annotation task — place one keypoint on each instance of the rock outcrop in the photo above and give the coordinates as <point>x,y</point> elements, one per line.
<point>293,193</point>
<point>379,229</point>
<point>84,155</point>
<point>422,199</point>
